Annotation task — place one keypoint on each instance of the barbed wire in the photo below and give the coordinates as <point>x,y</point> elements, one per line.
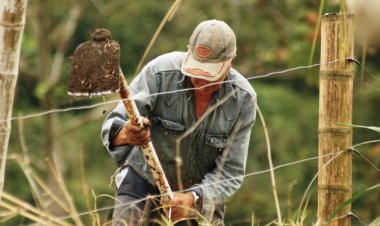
<point>365,159</point>
<point>351,215</point>
<point>83,107</point>
<point>334,155</point>
<point>365,68</point>
<point>132,203</point>
<point>249,78</point>
<point>312,181</point>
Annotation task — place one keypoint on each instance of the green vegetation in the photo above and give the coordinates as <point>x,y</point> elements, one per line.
<point>272,36</point>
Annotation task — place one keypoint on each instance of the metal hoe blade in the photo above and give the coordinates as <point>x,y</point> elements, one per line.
<point>95,66</point>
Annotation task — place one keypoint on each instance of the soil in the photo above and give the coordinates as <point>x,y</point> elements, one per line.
<point>95,66</point>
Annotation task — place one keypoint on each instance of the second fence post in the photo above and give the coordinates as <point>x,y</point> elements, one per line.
<point>335,109</point>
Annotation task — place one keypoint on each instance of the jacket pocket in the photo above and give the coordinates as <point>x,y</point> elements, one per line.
<point>215,144</point>
<point>164,135</point>
<point>168,126</point>
<point>217,141</point>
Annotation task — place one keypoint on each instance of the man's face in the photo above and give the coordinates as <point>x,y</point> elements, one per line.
<point>207,86</point>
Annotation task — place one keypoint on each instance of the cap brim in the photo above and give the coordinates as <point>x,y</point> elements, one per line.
<point>210,71</point>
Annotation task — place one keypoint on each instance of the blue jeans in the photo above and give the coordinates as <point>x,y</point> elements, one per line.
<point>132,207</point>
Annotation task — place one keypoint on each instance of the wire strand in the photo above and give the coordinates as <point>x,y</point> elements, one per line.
<point>132,203</point>
<point>365,159</point>
<point>28,116</point>
<point>83,107</point>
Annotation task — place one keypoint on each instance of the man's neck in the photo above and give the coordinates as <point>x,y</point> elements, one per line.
<point>202,102</point>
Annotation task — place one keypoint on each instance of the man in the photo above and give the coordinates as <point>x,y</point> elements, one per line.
<point>174,92</point>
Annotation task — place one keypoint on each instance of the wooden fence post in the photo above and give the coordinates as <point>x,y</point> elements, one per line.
<point>12,21</point>
<point>335,108</point>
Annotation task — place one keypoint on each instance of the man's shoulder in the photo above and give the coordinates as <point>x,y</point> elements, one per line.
<point>168,62</point>
<point>240,81</point>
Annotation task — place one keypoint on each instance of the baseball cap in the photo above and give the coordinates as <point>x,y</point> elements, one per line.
<point>212,47</point>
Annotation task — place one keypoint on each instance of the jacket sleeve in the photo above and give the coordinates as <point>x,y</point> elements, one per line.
<point>141,89</point>
<point>229,172</point>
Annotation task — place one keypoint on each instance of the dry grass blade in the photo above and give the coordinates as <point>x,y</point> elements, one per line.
<point>84,183</point>
<point>167,18</point>
<point>7,215</point>
<point>49,192</point>
<point>190,130</point>
<point>72,209</point>
<point>279,218</point>
<point>376,129</point>
<point>24,162</point>
<point>227,150</point>
<point>315,37</point>
<point>26,210</point>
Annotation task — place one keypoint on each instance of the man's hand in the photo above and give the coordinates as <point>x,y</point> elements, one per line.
<point>182,206</point>
<point>133,133</point>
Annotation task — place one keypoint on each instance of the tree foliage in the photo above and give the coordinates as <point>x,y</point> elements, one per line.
<point>272,36</point>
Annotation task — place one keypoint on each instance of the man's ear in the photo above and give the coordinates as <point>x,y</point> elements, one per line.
<point>233,60</point>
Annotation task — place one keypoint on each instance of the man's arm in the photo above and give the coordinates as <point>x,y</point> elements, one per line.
<point>119,135</point>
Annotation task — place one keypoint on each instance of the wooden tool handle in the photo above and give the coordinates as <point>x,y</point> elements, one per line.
<point>149,152</point>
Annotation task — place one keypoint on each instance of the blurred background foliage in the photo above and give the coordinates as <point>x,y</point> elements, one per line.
<point>272,36</point>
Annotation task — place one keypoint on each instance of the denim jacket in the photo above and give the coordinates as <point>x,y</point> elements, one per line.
<point>213,155</point>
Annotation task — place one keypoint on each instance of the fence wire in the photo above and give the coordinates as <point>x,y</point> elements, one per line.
<point>281,72</point>
<point>333,155</point>
<point>83,107</point>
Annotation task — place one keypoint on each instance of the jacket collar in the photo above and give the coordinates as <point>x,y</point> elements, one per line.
<point>224,90</point>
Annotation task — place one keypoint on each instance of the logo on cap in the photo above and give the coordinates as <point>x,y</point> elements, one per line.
<point>202,52</point>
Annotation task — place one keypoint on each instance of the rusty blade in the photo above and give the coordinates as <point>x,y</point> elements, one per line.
<point>95,66</point>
